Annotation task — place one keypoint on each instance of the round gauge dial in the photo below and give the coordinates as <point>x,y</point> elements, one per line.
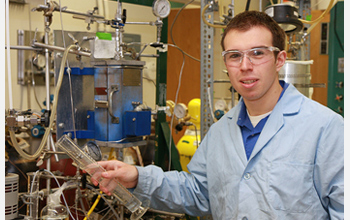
<point>180,110</point>
<point>161,8</point>
<point>220,105</point>
<point>93,150</point>
<point>41,60</point>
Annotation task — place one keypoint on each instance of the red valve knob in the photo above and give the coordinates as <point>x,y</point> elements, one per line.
<point>338,97</point>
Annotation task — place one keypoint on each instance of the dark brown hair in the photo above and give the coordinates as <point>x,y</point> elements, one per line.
<point>248,19</point>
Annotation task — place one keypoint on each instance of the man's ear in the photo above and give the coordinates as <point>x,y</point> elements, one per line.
<point>280,60</point>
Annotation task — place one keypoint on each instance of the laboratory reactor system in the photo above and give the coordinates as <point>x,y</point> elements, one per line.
<point>97,103</point>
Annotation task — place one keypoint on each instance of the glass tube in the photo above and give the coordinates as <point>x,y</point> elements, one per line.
<point>85,162</point>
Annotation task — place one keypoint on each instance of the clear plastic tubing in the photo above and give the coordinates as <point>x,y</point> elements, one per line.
<point>85,162</point>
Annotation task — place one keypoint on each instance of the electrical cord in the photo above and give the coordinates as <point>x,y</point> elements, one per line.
<point>19,170</point>
<point>172,26</point>
<point>195,130</point>
<point>175,101</point>
<point>149,79</point>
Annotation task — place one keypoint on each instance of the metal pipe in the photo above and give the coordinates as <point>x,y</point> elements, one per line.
<point>66,178</point>
<point>141,22</point>
<point>20,58</point>
<point>47,85</point>
<point>53,147</point>
<point>51,47</point>
<point>65,10</point>
<point>23,48</point>
<point>9,77</point>
<point>82,53</point>
<point>142,55</point>
<point>55,152</point>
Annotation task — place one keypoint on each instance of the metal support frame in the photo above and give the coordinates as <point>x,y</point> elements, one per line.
<point>207,70</point>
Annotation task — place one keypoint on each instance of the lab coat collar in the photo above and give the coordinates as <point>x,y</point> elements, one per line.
<point>289,104</point>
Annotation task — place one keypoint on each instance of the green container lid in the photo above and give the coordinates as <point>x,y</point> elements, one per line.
<point>104,36</point>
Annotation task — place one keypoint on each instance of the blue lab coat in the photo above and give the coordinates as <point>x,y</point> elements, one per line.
<point>296,169</point>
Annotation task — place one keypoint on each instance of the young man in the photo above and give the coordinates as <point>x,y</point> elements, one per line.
<point>276,155</point>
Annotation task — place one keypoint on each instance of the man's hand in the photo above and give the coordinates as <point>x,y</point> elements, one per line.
<point>126,174</point>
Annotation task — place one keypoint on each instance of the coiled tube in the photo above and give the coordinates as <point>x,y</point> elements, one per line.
<point>52,117</point>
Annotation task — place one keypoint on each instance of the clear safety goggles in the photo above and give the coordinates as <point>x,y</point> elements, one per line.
<point>256,55</point>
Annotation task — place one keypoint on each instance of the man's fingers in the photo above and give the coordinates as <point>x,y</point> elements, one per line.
<point>105,190</point>
<point>110,174</point>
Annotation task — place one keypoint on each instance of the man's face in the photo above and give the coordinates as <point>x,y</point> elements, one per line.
<point>253,82</point>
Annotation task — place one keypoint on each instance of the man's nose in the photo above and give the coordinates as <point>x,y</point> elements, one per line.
<point>246,63</point>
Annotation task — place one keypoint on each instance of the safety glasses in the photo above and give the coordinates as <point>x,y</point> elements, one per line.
<point>256,55</point>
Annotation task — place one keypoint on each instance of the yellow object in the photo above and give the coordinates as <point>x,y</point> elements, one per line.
<point>194,110</point>
<point>93,207</point>
<point>187,146</point>
<point>189,143</point>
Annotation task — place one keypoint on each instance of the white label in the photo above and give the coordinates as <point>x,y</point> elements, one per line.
<point>341,65</point>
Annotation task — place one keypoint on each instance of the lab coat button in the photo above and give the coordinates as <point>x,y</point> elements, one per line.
<point>244,218</point>
<point>247,176</point>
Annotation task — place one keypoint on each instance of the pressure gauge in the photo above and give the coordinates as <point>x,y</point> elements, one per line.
<point>93,150</point>
<point>180,110</point>
<point>220,105</point>
<point>39,61</point>
<point>161,8</point>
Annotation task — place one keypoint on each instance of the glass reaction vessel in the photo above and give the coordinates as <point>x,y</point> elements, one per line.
<point>85,162</point>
